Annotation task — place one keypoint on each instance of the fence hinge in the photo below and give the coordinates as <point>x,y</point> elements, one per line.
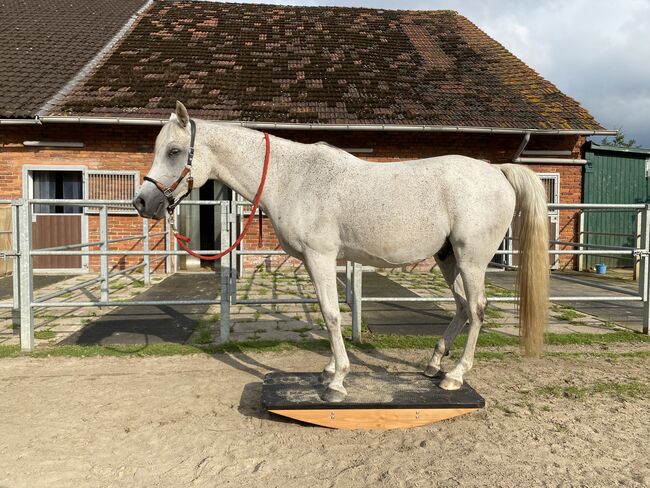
<point>641,253</point>
<point>4,254</point>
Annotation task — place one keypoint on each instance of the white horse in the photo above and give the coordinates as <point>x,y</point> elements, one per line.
<point>325,204</point>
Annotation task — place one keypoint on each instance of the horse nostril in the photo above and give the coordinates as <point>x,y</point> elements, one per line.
<point>138,203</point>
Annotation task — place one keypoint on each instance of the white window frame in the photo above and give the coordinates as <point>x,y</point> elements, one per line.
<point>111,210</point>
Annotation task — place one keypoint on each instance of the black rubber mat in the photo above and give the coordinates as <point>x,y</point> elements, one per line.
<point>154,324</point>
<point>301,391</point>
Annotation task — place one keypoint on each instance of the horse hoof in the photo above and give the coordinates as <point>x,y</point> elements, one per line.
<point>432,372</point>
<point>333,396</point>
<point>326,377</point>
<point>450,384</point>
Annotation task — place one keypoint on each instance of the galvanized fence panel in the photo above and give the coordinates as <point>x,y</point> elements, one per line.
<point>229,211</point>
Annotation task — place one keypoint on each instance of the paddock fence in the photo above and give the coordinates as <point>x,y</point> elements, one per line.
<point>19,250</point>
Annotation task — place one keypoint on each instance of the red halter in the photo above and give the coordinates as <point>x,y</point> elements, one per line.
<point>183,240</point>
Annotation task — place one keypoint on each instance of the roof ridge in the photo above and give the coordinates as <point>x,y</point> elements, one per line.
<point>89,67</point>
<point>313,7</point>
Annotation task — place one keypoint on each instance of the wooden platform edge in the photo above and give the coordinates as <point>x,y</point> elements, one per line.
<point>373,419</point>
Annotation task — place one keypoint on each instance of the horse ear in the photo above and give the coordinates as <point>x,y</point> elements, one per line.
<point>181,114</point>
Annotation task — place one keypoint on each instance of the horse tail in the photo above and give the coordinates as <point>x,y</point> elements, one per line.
<point>533,275</point>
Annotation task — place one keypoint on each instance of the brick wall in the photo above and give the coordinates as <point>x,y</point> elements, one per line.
<point>131,148</point>
<point>116,148</point>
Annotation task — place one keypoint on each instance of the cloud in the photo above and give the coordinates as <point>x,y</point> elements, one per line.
<point>595,51</point>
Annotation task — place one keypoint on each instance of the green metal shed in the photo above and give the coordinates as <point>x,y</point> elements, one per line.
<point>613,175</point>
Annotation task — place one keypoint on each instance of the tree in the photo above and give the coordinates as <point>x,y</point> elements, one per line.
<point>619,141</point>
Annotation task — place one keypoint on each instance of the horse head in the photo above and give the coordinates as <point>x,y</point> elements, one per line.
<point>175,169</point>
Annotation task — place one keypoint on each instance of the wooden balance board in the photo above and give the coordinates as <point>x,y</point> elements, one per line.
<point>374,401</point>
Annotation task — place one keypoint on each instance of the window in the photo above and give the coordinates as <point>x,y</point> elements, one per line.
<point>112,185</point>
<point>59,185</point>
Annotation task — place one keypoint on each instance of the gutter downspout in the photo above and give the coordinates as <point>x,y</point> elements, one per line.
<point>521,147</point>
<point>518,159</point>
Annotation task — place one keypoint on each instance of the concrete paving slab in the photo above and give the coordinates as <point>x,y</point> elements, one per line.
<point>40,281</point>
<point>163,323</point>
<point>404,318</point>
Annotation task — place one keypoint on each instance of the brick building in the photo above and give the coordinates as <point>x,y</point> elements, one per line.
<point>385,85</point>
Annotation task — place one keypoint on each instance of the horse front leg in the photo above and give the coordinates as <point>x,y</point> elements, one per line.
<point>322,270</point>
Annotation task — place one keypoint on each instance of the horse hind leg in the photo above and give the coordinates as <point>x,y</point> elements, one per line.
<point>473,277</point>
<point>449,269</point>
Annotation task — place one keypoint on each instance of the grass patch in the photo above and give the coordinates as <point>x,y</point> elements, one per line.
<point>633,389</point>
<point>584,338</point>
<point>568,314</point>
<point>44,334</point>
<point>492,325</point>
<point>9,351</point>
<point>204,327</point>
<point>301,330</point>
<point>138,284</point>
<point>370,342</point>
<point>496,291</point>
<point>493,313</point>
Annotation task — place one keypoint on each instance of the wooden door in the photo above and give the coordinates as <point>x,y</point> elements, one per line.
<point>56,225</point>
<point>52,231</point>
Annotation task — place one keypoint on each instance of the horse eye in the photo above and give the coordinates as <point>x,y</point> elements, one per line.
<point>174,151</point>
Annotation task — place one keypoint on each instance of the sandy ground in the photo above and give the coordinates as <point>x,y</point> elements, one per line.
<point>197,421</point>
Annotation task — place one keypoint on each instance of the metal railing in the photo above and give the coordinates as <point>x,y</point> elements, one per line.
<point>231,216</point>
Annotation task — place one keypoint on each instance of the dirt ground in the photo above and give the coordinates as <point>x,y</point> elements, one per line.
<point>197,421</point>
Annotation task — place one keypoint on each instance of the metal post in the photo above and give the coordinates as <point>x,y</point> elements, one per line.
<point>357,277</point>
<point>168,245</point>
<point>234,268</point>
<point>348,283</point>
<point>103,259</point>
<point>581,238</point>
<point>644,279</point>
<point>637,244</point>
<point>147,258</point>
<point>16,267</point>
<point>225,275</point>
<point>176,256</point>
<point>26,291</point>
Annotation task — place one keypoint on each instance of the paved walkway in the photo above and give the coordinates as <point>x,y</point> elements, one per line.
<point>295,322</point>
<point>40,281</point>
<point>625,313</point>
<point>404,318</point>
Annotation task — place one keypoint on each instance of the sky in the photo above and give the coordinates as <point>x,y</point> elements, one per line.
<point>596,51</point>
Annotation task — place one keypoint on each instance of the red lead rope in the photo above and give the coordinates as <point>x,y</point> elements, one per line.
<point>182,240</point>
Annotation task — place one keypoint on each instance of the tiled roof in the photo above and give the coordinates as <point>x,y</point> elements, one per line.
<point>328,65</point>
<point>44,44</point>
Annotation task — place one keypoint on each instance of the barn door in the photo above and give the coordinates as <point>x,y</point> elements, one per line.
<point>56,225</point>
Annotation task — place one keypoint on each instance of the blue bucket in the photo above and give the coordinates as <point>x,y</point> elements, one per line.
<point>601,268</point>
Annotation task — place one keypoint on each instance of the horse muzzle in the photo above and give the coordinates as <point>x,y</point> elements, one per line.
<point>149,202</point>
